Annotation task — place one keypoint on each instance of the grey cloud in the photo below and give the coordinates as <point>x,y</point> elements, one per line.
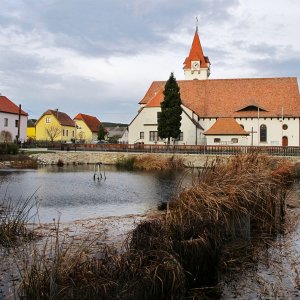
<point>107,27</point>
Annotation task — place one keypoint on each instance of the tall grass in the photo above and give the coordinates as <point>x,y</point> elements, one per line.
<point>14,218</point>
<point>183,252</point>
<point>150,162</point>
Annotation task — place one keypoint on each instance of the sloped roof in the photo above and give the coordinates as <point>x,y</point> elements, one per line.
<point>92,122</point>
<point>225,97</point>
<point>61,117</point>
<point>8,106</point>
<point>196,53</point>
<point>226,126</point>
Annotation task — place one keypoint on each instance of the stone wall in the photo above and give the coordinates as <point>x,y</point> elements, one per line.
<point>88,157</point>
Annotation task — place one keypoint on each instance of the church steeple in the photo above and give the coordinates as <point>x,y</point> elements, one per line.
<point>196,65</point>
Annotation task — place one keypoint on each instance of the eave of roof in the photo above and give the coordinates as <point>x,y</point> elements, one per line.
<point>7,106</point>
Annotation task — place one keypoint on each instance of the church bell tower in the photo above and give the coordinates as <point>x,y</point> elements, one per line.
<point>196,65</point>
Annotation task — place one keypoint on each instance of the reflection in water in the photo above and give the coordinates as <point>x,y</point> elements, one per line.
<point>72,192</point>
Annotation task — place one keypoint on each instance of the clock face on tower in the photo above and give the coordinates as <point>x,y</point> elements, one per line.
<point>195,65</point>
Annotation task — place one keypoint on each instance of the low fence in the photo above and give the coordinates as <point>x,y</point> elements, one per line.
<point>189,149</point>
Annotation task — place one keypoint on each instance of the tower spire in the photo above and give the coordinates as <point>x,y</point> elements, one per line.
<point>196,65</point>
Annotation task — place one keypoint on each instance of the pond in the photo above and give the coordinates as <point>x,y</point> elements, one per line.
<point>72,193</point>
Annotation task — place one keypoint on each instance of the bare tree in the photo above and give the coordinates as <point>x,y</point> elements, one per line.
<point>5,137</point>
<point>53,132</point>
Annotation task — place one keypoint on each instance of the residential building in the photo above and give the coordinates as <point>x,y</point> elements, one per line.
<point>87,127</point>
<point>30,132</point>
<point>267,110</point>
<point>54,126</point>
<point>13,121</point>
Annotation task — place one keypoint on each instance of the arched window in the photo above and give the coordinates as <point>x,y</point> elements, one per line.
<point>263,133</point>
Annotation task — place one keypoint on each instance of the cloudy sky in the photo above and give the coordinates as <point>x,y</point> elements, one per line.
<point>99,56</point>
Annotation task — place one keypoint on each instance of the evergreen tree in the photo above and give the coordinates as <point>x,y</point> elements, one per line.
<point>169,121</point>
<point>101,133</point>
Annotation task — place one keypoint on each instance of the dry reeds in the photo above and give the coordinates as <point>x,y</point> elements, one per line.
<point>150,162</point>
<point>182,253</point>
<point>14,217</point>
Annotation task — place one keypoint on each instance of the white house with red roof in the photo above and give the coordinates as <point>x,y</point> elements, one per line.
<point>250,111</point>
<point>13,121</point>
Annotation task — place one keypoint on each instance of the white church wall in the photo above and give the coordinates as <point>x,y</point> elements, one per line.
<point>146,121</point>
<point>275,132</point>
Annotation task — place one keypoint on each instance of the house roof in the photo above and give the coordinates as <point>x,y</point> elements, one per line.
<point>8,106</point>
<point>92,122</point>
<point>61,117</point>
<point>225,97</point>
<point>196,54</point>
<point>226,126</point>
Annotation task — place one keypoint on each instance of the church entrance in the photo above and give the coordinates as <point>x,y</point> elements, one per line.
<point>285,141</point>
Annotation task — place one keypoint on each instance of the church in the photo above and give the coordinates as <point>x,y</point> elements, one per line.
<point>244,112</point>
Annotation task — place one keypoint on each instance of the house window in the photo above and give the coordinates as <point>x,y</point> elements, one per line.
<point>217,140</point>
<point>234,140</point>
<point>48,120</point>
<point>63,132</point>
<point>142,135</point>
<point>263,133</point>
<point>16,123</point>
<point>67,132</point>
<point>5,122</point>
<point>158,115</point>
<point>153,136</point>
<point>73,134</point>
<point>180,138</point>
<point>284,127</point>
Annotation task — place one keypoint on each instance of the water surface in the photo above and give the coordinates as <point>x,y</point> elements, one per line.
<point>72,193</point>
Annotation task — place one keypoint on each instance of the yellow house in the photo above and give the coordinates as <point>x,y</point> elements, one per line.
<point>30,131</point>
<point>87,127</point>
<point>55,126</point>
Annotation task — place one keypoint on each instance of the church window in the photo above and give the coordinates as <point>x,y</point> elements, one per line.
<point>153,136</point>
<point>217,140</point>
<point>180,138</point>
<point>263,133</point>
<point>158,115</point>
<point>284,127</point>
<point>142,135</point>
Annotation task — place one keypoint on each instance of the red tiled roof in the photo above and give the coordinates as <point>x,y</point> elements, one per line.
<point>226,126</point>
<point>62,117</point>
<point>196,53</point>
<point>155,101</point>
<point>8,106</point>
<point>225,97</point>
<point>92,122</point>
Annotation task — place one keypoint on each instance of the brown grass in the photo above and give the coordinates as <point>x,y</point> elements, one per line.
<point>207,230</point>
<point>148,162</point>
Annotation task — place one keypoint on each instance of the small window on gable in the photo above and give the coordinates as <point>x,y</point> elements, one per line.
<point>48,120</point>
<point>217,140</point>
